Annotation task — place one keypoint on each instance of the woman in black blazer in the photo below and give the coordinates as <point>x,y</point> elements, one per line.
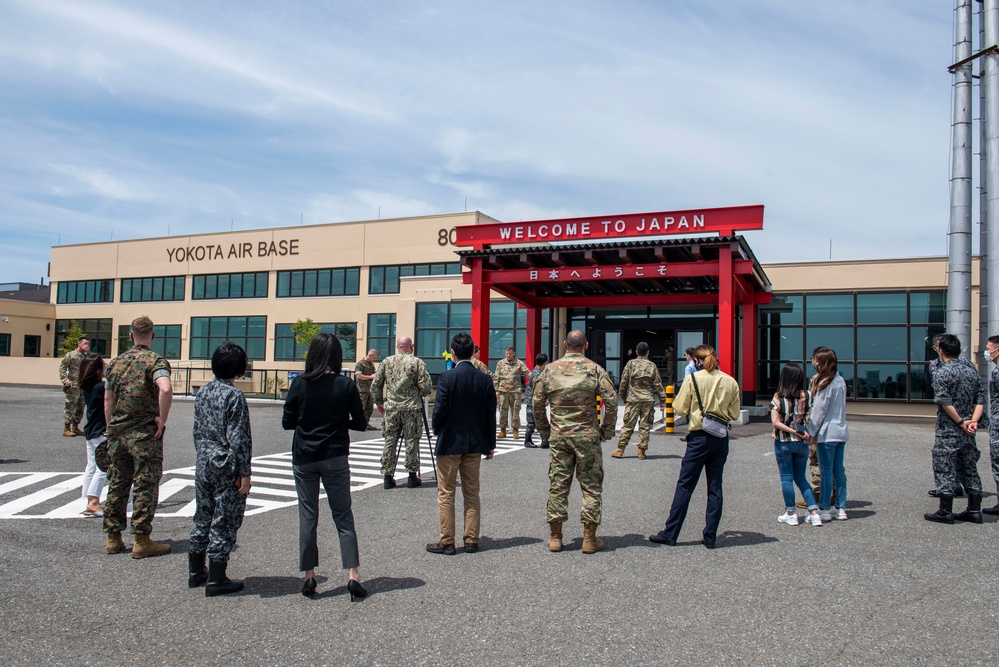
<point>321,406</point>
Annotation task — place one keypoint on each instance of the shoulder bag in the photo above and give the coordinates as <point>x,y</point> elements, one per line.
<point>711,424</point>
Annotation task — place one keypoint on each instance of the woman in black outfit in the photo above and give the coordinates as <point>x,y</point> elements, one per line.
<point>91,381</point>
<point>321,406</point>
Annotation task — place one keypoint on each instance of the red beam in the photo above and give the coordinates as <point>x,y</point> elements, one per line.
<point>724,221</point>
<point>613,272</point>
<point>627,300</point>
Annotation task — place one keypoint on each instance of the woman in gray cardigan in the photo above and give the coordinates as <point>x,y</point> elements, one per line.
<point>827,429</point>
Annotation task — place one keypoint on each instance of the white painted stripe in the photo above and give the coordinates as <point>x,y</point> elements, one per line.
<point>31,478</point>
<point>267,491</point>
<point>172,486</point>
<point>38,497</point>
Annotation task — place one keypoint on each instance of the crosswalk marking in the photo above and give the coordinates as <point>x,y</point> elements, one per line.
<point>57,495</point>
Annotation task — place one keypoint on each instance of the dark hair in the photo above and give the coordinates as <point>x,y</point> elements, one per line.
<point>690,351</point>
<point>792,381</point>
<point>541,359</point>
<point>477,349</point>
<point>91,370</point>
<point>510,348</point>
<point>82,338</point>
<point>229,361</point>
<point>994,340</point>
<point>825,366</point>
<point>324,353</point>
<point>642,349</point>
<point>462,346</point>
<point>950,345</point>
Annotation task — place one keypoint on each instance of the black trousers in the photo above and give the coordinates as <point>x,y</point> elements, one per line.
<point>708,453</point>
<point>334,474</point>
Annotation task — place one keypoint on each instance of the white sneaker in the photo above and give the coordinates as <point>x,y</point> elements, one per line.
<point>841,514</point>
<point>789,519</point>
<point>814,519</point>
<point>824,515</point>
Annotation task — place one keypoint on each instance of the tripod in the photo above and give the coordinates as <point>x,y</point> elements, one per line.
<point>430,444</point>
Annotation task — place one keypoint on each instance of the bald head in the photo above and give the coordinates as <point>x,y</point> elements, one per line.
<point>575,341</point>
<point>404,344</point>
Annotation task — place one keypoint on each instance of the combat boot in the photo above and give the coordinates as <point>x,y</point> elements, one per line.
<point>502,433</point>
<point>974,511</point>
<point>516,433</point>
<point>389,482</point>
<point>619,452</point>
<point>76,430</point>
<point>946,512</point>
<point>218,583</point>
<point>413,481</point>
<point>641,453</point>
<point>196,572</point>
<point>545,445</point>
<point>591,543</point>
<point>115,544</point>
<point>555,541</point>
<point>144,547</point>
<point>67,431</point>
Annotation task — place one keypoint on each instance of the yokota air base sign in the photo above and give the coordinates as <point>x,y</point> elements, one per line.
<point>722,221</point>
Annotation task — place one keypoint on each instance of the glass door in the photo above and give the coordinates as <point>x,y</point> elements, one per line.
<point>684,339</point>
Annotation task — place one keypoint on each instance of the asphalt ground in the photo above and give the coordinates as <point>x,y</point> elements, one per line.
<point>883,588</point>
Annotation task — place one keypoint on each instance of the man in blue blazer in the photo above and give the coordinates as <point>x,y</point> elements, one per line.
<point>465,424</point>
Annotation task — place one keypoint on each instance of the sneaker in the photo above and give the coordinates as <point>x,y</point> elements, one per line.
<point>841,514</point>
<point>825,515</point>
<point>814,519</point>
<point>789,519</point>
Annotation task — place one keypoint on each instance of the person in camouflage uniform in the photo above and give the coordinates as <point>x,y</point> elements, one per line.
<point>960,403</point>
<point>223,448</point>
<point>400,385</point>
<point>570,386</point>
<point>992,352</point>
<point>640,386</point>
<point>540,362</point>
<point>933,368</point>
<point>509,382</point>
<point>364,374</point>
<point>137,401</point>
<point>69,374</point>
<point>478,364</point>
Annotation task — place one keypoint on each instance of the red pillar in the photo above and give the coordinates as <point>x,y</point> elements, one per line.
<point>480,310</point>
<point>726,311</point>
<point>749,353</point>
<point>533,336</point>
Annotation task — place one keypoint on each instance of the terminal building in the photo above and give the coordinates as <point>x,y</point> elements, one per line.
<point>369,281</point>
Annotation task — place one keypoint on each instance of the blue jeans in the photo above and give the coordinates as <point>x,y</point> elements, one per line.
<point>831,467</point>
<point>792,460</point>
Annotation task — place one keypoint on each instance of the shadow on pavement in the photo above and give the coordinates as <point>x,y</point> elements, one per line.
<point>2,461</point>
<point>614,542</point>
<point>488,543</point>
<point>374,586</point>
<point>275,587</point>
<point>739,538</point>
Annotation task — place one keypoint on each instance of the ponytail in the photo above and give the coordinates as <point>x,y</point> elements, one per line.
<point>707,356</point>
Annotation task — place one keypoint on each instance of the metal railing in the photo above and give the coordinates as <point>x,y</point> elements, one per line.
<point>271,383</point>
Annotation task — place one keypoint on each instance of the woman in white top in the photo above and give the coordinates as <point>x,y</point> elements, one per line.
<point>827,429</point>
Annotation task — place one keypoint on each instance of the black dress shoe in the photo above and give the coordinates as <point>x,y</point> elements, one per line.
<point>471,547</point>
<point>356,590</point>
<point>309,588</point>
<point>441,548</point>
<point>708,544</point>
<point>994,511</point>
<point>659,538</point>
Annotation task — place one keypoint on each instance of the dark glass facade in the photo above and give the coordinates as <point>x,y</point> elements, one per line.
<point>97,331</point>
<point>166,341</point>
<point>85,291</point>
<point>160,288</point>
<point>230,286</point>
<point>319,282</point>
<point>385,279</point>
<point>381,334</point>
<point>250,333</point>
<point>286,348</point>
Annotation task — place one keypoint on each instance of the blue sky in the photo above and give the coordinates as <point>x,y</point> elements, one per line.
<point>139,119</point>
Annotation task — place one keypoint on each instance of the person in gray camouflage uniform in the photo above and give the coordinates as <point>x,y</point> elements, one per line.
<point>400,385</point>
<point>509,382</point>
<point>571,386</point>
<point>137,398</point>
<point>223,448</point>
<point>960,403</point>
<point>69,374</point>
<point>364,375</point>
<point>992,352</point>
<point>640,385</point>
<point>933,368</point>
<point>540,362</point>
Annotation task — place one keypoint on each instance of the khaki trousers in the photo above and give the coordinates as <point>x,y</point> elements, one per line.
<point>448,468</point>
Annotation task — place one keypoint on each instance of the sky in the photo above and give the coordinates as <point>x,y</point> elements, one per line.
<point>123,120</point>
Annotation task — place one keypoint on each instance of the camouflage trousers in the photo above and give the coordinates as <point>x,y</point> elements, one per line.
<point>369,405</point>
<point>136,467</point>
<point>219,511</point>
<point>955,461</point>
<point>531,424</point>
<point>813,467</point>
<point>994,457</point>
<point>72,413</point>
<point>642,412</point>
<point>509,402</point>
<point>583,457</point>
<point>407,424</point>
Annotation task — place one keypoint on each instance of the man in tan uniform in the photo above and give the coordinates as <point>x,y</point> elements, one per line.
<point>509,382</point>
<point>364,373</point>
<point>69,374</point>
<point>478,364</point>
<point>640,386</point>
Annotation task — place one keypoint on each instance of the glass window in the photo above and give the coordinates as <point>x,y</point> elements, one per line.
<point>927,307</point>
<point>166,341</point>
<point>432,315</point>
<point>881,343</point>
<point>353,281</point>
<point>392,279</point>
<point>783,343</point>
<point>85,291</point>
<point>170,288</point>
<point>838,339</point>
<point>5,345</point>
<point>97,330</point>
<point>432,343</point>
<point>376,280</point>
<point>381,333</point>
<point>882,381</point>
<point>32,346</point>
<point>230,286</point>
<point>247,332</point>
<point>920,384</point>
<point>829,309</point>
<point>881,308</point>
<point>501,316</point>
<point>921,342</point>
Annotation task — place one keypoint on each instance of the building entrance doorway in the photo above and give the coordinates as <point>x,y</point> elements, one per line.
<point>612,343</point>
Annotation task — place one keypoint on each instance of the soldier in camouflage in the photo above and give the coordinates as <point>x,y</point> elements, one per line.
<point>640,386</point>
<point>992,352</point>
<point>137,402</point>
<point>960,403</point>
<point>223,448</point>
<point>69,374</point>
<point>478,364</point>
<point>540,362</point>
<point>570,386</point>
<point>364,374</point>
<point>933,368</point>
<point>401,382</point>
<point>509,382</point>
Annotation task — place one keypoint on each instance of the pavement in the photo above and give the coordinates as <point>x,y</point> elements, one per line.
<point>884,587</point>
